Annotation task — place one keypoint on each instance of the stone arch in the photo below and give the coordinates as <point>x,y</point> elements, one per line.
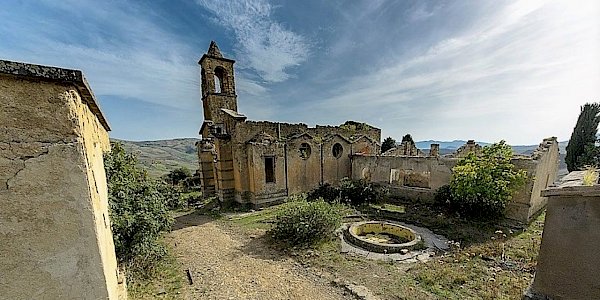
<point>220,78</point>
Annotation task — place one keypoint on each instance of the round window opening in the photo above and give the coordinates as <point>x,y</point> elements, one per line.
<point>337,150</point>
<point>304,150</point>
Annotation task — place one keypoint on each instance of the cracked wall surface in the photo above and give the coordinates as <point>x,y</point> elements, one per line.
<point>55,235</point>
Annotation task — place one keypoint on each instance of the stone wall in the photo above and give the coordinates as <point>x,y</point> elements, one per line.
<point>55,231</point>
<point>568,262</point>
<point>417,178</point>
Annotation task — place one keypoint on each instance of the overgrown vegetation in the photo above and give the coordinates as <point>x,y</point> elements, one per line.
<point>487,261</point>
<point>482,185</point>
<point>355,126</point>
<point>590,177</point>
<point>352,192</point>
<point>582,150</point>
<point>408,138</point>
<point>304,224</point>
<point>388,143</point>
<point>139,210</point>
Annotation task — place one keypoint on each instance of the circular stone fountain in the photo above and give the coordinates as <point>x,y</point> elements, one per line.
<point>383,237</point>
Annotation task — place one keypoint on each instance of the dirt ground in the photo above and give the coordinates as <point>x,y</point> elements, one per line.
<point>225,264</point>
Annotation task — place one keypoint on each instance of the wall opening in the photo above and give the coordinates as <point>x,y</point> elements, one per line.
<point>217,85</point>
<point>220,80</point>
<point>337,150</point>
<point>269,169</point>
<point>304,150</point>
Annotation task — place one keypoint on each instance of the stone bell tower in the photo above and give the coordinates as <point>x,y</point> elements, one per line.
<point>218,85</point>
<point>219,103</point>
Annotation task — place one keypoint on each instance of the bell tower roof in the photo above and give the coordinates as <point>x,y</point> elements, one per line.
<point>213,50</point>
<point>215,53</point>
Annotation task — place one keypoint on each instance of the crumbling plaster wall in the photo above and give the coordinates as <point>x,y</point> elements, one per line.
<point>293,173</point>
<point>263,191</point>
<point>336,167</point>
<point>55,235</point>
<point>417,178</point>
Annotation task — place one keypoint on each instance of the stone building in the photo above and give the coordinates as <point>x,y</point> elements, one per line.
<point>55,232</point>
<point>263,162</point>
<point>417,177</point>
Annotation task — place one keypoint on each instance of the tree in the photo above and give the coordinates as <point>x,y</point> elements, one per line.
<point>482,185</point>
<point>388,143</point>
<point>179,175</point>
<point>138,210</point>
<point>408,138</point>
<point>581,148</point>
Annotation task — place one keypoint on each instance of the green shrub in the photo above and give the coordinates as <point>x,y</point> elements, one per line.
<point>139,211</point>
<point>302,223</point>
<point>357,192</point>
<point>443,195</point>
<point>482,185</point>
<point>326,192</point>
<point>353,192</point>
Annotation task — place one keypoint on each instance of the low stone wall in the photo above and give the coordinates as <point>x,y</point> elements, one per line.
<point>568,262</point>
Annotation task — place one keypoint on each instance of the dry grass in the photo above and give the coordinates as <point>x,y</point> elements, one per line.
<point>489,261</point>
<point>165,282</point>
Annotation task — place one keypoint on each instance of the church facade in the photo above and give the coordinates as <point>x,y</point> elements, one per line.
<point>261,163</point>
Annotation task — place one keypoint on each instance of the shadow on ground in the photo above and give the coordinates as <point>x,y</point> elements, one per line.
<point>260,246</point>
<point>194,218</point>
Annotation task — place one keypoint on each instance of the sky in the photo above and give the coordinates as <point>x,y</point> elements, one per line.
<point>443,70</point>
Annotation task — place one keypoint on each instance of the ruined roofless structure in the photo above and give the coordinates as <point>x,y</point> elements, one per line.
<point>261,163</point>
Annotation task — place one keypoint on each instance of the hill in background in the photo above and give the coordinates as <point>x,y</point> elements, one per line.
<point>163,156</point>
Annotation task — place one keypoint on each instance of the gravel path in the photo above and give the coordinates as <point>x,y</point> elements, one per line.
<point>227,265</point>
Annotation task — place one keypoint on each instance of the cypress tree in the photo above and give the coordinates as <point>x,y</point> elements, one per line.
<point>388,144</point>
<point>583,138</point>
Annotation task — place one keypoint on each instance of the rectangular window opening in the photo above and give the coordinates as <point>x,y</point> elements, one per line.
<point>269,169</point>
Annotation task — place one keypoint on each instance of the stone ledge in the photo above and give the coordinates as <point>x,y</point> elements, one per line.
<point>572,185</point>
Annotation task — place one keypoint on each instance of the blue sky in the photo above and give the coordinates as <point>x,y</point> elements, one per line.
<point>484,70</point>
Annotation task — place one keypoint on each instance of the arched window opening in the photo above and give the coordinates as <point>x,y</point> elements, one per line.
<point>217,85</point>
<point>219,80</point>
<point>337,150</point>
<point>304,150</point>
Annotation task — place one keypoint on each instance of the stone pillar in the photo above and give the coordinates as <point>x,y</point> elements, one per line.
<point>207,157</point>
<point>434,150</point>
<point>568,263</point>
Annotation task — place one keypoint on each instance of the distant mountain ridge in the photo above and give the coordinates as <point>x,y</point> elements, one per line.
<point>162,156</point>
<point>451,146</point>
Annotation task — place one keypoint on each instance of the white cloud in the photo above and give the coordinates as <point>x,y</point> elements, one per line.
<point>264,45</point>
<point>528,65</point>
<point>119,48</point>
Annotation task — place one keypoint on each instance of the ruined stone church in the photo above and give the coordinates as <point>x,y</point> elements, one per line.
<point>260,163</point>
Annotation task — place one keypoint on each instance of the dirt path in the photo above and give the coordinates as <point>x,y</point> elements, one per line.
<point>228,265</point>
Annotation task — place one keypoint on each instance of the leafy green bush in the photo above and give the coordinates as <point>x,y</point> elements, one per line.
<point>443,195</point>
<point>357,192</point>
<point>139,210</point>
<point>302,223</point>
<point>482,186</point>
<point>354,192</point>
<point>325,192</point>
